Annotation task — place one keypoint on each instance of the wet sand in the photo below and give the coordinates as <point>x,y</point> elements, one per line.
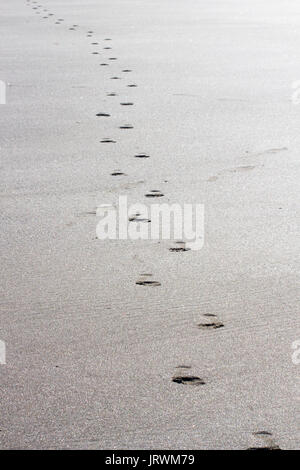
<point>95,360</point>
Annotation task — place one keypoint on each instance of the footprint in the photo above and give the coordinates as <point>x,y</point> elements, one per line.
<point>142,155</point>
<point>117,173</point>
<point>148,283</point>
<point>188,380</point>
<point>264,448</point>
<point>180,247</point>
<point>143,281</point>
<point>108,141</point>
<point>103,115</point>
<point>137,218</point>
<point>262,433</point>
<point>107,47</point>
<point>132,86</point>
<point>154,193</point>
<point>210,326</point>
<point>126,126</point>
<point>126,70</point>
<point>126,104</point>
<point>88,213</point>
<point>115,78</point>
<point>94,43</point>
<point>266,438</point>
<point>183,367</point>
<point>103,64</point>
<point>107,39</point>
<point>112,58</point>
<point>242,168</point>
<point>95,52</point>
<point>111,94</point>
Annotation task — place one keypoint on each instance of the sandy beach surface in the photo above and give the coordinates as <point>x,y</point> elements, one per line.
<point>90,354</point>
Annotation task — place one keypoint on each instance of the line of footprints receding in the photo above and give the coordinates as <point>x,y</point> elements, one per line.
<point>211,322</point>
<point>145,279</point>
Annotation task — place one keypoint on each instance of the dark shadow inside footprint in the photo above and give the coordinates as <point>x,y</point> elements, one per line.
<point>126,104</point>
<point>111,94</point>
<point>188,379</point>
<point>126,70</point>
<point>183,367</point>
<point>103,115</point>
<point>154,193</point>
<point>132,86</point>
<point>103,64</point>
<point>142,155</point>
<point>137,218</point>
<point>117,173</point>
<point>264,448</point>
<point>148,283</point>
<point>126,126</point>
<point>179,249</point>
<point>210,326</point>
<point>115,78</point>
<point>108,141</point>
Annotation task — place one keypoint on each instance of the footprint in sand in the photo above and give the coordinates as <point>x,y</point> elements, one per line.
<point>108,141</point>
<point>265,441</point>
<point>132,86</point>
<point>242,168</point>
<point>145,281</point>
<point>210,326</point>
<point>180,247</point>
<point>111,94</point>
<point>112,58</point>
<point>188,380</point>
<point>103,115</point>
<point>154,193</point>
<point>117,173</point>
<point>103,64</point>
<point>142,155</point>
<point>137,218</point>
<point>126,104</point>
<point>126,126</point>
<point>115,78</point>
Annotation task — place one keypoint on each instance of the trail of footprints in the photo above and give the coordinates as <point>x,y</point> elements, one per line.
<point>145,279</point>
<point>211,322</point>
